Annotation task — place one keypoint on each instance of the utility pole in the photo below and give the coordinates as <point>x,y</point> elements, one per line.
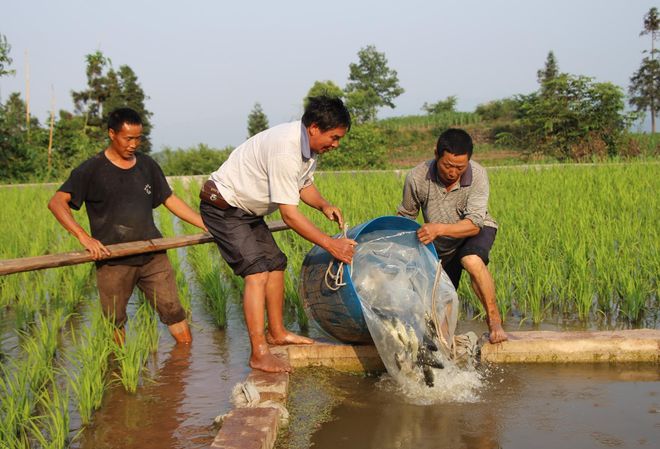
<point>52,124</point>
<point>27,94</point>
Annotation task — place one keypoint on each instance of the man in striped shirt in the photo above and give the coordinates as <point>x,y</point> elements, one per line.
<point>452,193</point>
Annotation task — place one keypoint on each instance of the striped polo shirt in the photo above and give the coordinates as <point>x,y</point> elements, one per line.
<point>467,199</point>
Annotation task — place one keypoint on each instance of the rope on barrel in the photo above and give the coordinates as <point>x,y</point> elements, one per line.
<point>338,277</point>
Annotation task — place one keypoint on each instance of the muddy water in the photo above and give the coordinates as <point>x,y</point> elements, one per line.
<point>189,387</point>
<point>523,406</point>
<point>518,406</point>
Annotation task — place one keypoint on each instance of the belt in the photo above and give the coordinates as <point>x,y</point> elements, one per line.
<point>210,194</point>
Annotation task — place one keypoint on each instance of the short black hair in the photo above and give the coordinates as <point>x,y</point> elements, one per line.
<point>118,117</point>
<point>454,141</point>
<point>327,113</point>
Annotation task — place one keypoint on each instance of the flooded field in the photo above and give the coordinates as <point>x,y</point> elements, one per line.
<point>189,387</point>
<point>586,406</point>
<point>184,388</point>
<point>555,273</point>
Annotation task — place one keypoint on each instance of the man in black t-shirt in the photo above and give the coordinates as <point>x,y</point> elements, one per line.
<point>120,187</point>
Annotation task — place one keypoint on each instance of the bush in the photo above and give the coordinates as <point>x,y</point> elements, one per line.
<point>199,160</point>
<point>363,148</point>
<point>505,109</point>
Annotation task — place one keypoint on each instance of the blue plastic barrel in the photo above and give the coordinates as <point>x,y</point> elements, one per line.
<point>339,312</point>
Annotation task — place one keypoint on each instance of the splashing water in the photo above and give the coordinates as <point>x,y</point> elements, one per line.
<point>394,276</point>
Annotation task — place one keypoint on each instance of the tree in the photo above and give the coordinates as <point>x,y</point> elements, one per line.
<point>20,159</point>
<point>550,71</point>
<point>74,142</point>
<point>579,119</point>
<point>107,90</point>
<point>372,84</point>
<point>5,59</point>
<point>257,120</point>
<point>124,90</point>
<point>446,105</point>
<point>644,89</point>
<point>323,88</point>
<point>651,26</point>
<point>89,102</point>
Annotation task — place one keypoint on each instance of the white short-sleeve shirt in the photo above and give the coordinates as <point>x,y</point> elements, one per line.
<point>268,169</point>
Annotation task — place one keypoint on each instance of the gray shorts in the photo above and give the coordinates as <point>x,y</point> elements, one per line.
<point>156,279</point>
<point>244,240</point>
<point>479,245</point>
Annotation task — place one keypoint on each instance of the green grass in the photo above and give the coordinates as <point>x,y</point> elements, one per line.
<point>433,121</point>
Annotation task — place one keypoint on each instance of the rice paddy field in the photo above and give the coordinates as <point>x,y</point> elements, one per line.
<point>577,246</point>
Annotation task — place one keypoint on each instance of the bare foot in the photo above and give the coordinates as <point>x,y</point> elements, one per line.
<point>287,338</point>
<point>269,363</point>
<point>497,334</point>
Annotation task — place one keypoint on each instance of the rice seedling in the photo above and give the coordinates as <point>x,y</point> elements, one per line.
<point>16,405</point>
<point>39,348</point>
<point>207,272</point>
<point>50,428</point>
<point>573,240</point>
<point>87,376</point>
<point>564,233</point>
<point>141,338</point>
<point>166,225</point>
<point>71,285</point>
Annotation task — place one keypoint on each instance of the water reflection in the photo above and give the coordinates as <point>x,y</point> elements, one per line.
<point>191,386</point>
<point>152,415</point>
<point>540,406</point>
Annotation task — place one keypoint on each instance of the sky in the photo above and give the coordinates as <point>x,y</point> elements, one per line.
<point>205,63</point>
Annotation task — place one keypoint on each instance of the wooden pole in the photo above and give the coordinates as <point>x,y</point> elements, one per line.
<point>11,266</point>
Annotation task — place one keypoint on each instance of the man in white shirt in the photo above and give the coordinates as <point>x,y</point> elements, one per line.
<point>271,171</point>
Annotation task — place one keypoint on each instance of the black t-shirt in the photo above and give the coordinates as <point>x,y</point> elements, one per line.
<point>119,202</point>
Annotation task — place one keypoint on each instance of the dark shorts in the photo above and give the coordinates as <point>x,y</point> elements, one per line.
<point>479,245</point>
<point>244,240</point>
<point>155,278</point>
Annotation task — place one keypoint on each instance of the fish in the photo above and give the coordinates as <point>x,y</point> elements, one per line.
<point>412,359</point>
<point>429,378</point>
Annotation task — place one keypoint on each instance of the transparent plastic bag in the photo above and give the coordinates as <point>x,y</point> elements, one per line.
<point>396,277</point>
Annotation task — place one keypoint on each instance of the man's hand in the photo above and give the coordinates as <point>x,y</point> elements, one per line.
<point>59,206</point>
<point>333,213</point>
<point>496,334</point>
<point>341,249</point>
<point>96,248</point>
<point>429,232</point>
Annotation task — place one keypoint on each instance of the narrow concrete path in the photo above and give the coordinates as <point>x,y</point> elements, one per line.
<point>634,345</point>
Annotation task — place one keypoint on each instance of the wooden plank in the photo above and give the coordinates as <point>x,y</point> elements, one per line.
<point>10,266</point>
